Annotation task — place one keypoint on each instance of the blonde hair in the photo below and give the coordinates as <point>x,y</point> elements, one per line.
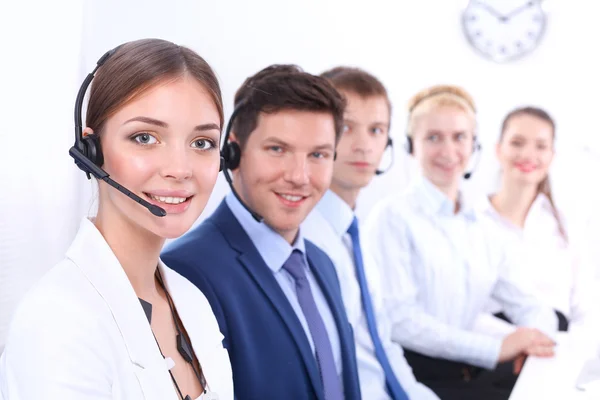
<point>435,97</point>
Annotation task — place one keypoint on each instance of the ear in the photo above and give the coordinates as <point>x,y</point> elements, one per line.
<point>498,150</point>
<point>87,131</point>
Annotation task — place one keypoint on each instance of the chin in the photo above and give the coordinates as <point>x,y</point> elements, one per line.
<point>283,222</point>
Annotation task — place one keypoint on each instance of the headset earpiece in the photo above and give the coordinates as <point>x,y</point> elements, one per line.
<point>231,155</point>
<point>92,149</point>
<point>409,145</point>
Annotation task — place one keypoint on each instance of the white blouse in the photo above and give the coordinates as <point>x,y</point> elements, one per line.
<point>440,269</point>
<point>554,266</point>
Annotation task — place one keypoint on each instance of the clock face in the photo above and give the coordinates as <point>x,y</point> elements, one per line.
<point>504,30</point>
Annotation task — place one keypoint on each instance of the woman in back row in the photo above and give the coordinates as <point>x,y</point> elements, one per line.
<point>524,211</point>
<point>443,262</point>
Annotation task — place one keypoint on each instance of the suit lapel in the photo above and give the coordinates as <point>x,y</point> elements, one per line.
<point>251,260</point>
<point>95,259</point>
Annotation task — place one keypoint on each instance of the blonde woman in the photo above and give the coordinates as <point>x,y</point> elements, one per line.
<point>442,265</point>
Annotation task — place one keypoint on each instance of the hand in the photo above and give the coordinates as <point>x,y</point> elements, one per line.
<point>526,341</point>
<point>520,9</point>
<point>491,10</point>
<point>518,364</point>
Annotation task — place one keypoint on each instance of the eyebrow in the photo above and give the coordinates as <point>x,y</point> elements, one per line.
<point>162,124</point>
<point>351,121</point>
<point>280,142</point>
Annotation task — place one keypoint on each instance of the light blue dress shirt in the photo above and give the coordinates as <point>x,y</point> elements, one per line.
<point>275,251</point>
<point>327,226</point>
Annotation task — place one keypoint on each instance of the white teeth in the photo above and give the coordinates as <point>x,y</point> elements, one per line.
<point>169,200</point>
<point>291,198</point>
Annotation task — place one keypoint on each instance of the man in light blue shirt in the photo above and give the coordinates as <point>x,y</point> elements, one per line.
<point>332,225</point>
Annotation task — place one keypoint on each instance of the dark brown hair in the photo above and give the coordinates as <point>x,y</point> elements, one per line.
<point>285,87</point>
<point>136,67</point>
<point>544,186</point>
<point>357,81</point>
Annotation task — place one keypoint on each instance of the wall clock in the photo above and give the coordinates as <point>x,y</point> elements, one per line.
<point>504,31</point>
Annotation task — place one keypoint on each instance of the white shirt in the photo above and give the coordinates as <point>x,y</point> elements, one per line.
<point>440,270</point>
<point>556,268</point>
<point>81,333</point>
<point>326,226</point>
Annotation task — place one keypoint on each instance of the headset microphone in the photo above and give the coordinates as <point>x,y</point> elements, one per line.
<point>231,154</point>
<point>87,152</point>
<point>390,144</point>
<point>477,148</point>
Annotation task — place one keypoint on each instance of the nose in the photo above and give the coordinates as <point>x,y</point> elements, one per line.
<point>528,153</point>
<point>297,170</point>
<point>177,164</point>
<point>449,149</point>
<point>360,142</point>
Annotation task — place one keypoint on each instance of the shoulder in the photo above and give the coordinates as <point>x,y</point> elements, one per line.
<point>199,249</point>
<point>393,213</point>
<point>318,230</point>
<point>63,290</point>
<point>60,313</point>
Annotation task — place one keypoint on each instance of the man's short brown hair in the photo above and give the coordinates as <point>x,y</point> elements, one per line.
<point>358,81</point>
<point>285,87</point>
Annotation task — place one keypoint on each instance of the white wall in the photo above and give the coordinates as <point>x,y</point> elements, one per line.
<point>407,44</point>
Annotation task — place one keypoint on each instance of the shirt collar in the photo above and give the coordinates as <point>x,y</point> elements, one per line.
<point>541,204</point>
<point>435,202</point>
<point>336,211</point>
<point>271,246</point>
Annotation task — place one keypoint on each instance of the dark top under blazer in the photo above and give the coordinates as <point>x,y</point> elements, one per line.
<point>270,355</point>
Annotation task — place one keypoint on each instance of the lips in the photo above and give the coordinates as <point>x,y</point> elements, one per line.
<point>360,164</point>
<point>291,200</point>
<point>173,202</point>
<point>525,167</point>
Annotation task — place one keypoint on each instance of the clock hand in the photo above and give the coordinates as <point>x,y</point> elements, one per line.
<point>491,10</point>
<point>511,14</point>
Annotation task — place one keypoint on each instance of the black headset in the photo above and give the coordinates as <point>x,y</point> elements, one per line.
<point>390,145</point>
<point>409,147</point>
<point>231,154</point>
<point>87,151</point>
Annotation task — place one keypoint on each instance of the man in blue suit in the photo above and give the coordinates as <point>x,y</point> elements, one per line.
<point>276,296</point>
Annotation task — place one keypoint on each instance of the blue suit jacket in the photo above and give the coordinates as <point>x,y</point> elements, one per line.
<point>270,354</point>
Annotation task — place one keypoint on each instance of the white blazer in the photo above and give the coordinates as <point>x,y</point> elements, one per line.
<point>81,333</point>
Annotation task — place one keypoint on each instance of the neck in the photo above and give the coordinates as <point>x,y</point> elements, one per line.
<point>513,201</point>
<point>348,195</point>
<point>137,250</point>
<point>289,235</point>
<point>452,193</point>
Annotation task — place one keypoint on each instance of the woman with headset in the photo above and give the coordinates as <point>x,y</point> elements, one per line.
<point>111,321</point>
<point>442,265</point>
<point>524,210</point>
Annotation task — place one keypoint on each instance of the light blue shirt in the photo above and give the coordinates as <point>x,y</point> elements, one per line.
<point>441,270</point>
<point>327,226</point>
<point>275,251</point>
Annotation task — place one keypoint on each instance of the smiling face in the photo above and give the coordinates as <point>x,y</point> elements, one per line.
<point>286,167</point>
<point>525,150</point>
<point>362,144</point>
<point>163,146</point>
<point>442,144</point>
